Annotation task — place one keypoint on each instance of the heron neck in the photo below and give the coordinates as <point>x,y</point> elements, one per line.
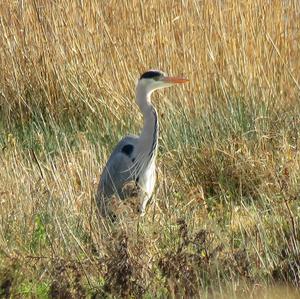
<point>149,134</point>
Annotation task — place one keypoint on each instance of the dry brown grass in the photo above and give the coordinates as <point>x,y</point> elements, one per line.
<point>225,218</point>
<point>57,53</point>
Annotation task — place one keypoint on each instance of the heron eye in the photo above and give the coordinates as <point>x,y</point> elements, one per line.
<point>157,78</point>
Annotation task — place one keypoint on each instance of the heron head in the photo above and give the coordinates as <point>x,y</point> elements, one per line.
<point>154,79</point>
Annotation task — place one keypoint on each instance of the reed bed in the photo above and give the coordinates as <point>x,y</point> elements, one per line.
<point>224,221</point>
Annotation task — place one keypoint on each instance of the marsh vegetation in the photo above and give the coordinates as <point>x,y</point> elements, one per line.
<point>224,222</point>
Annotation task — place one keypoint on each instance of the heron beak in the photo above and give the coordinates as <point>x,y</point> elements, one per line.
<point>174,80</point>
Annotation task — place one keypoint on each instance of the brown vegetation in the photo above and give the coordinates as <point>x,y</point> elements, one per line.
<point>225,218</point>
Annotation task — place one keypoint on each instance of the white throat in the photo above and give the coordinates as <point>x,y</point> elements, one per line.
<point>147,146</point>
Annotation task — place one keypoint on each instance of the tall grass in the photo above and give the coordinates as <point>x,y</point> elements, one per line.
<point>224,221</point>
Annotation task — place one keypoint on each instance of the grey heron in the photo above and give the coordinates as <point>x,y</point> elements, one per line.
<point>133,159</point>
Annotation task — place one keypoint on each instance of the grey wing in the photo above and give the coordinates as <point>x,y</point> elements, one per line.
<point>118,169</point>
